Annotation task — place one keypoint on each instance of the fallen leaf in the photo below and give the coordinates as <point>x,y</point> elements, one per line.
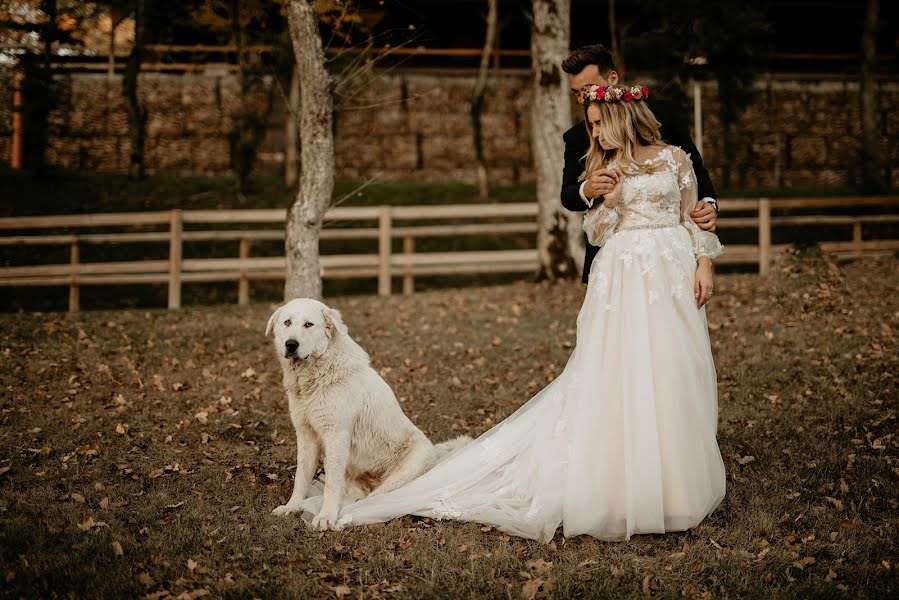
<point>91,524</point>
<point>117,548</point>
<point>540,566</point>
<point>530,589</point>
<point>341,590</point>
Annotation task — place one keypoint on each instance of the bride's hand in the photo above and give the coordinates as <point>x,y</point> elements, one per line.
<point>610,199</point>
<point>703,281</point>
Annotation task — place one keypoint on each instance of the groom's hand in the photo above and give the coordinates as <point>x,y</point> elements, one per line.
<point>600,182</point>
<point>704,215</point>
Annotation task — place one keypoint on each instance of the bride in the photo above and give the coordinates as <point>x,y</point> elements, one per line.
<point>623,441</point>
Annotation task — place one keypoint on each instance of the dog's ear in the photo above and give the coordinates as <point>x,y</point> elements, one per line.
<point>333,321</point>
<point>271,321</point>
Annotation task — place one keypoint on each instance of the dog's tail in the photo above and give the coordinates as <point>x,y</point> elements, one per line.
<point>444,449</point>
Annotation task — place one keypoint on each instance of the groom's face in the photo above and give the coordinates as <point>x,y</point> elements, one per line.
<point>589,76</point>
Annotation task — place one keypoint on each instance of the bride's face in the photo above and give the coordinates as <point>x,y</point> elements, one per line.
<point>593,121</point>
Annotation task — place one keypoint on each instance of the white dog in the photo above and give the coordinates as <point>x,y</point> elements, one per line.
<point>342,409</point>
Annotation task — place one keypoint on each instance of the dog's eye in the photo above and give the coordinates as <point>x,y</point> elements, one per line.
<point>307,324</point>
<point>287,323</point>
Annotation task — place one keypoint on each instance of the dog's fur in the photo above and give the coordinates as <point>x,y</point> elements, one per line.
<point>343,413</point>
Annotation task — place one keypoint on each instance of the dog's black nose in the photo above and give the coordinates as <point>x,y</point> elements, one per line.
<point>291,345</point>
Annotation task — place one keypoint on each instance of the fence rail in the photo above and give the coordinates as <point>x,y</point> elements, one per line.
<point>519,218</point>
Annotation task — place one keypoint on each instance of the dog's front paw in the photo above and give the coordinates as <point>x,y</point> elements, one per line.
<point>286,509</point>
<point>324,520</point>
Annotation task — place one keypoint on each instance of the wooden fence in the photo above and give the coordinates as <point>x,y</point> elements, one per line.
<point>381,223</point>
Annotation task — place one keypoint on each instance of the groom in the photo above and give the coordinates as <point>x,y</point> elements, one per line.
<point>593,65</point>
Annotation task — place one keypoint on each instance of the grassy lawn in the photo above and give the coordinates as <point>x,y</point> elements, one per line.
<point>142,451</point>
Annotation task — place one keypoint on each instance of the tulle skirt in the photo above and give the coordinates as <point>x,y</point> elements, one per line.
<point>622,442</point>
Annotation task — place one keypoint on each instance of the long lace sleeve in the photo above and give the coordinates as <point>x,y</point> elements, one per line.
<point>705,243</point>
<point>599,224</point>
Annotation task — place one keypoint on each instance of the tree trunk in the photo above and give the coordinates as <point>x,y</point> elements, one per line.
<point>559,233</point>
<point>872,158</point>
<point>137,114</point>
<point>615,41</point>
<point>477,97</point>
<point>291,122</point>
<point>304,219</point>
<point>39,95</point>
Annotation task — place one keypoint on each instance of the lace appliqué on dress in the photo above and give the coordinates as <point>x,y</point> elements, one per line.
<point>444,508</point>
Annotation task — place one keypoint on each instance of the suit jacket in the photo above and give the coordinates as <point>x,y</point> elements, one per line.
<point>675,131</point>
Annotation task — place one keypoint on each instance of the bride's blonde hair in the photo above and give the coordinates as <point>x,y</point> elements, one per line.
<point>625,125</point>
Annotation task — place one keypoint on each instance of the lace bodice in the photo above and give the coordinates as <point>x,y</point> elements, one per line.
<point>660,192</point>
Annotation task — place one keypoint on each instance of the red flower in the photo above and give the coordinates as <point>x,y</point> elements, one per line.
<point>628,97</point>
<point>645,91</point>
<point>600,93</point>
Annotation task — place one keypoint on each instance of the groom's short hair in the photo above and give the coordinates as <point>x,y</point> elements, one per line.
<point>583,57</point>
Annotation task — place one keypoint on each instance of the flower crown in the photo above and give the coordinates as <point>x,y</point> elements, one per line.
<point>624,93</point>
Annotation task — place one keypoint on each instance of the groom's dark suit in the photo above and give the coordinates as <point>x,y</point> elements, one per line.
<point>674,131</point>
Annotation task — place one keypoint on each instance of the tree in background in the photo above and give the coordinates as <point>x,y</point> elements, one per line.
<point>137,114</point>
<point>243,21</point>
<point>729,40</point>
<point>477,96</point>
<point>873,180</point>
<point>304,218</point>
<point>559,235</point>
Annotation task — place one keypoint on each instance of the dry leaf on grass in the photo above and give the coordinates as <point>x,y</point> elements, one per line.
<point>91,524</point>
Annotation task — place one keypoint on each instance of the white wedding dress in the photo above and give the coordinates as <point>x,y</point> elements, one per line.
<point>623,441</point>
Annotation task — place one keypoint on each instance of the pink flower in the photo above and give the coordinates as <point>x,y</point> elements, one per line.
<point>628,96</point>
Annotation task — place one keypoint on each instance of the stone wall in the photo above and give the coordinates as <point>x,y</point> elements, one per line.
<point>412,125</point>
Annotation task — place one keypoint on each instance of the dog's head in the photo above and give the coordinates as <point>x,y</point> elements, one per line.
<point>304,328</point>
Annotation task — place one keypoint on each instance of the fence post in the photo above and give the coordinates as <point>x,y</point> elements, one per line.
<point>764,235</point>
<point>857,236</point>
<point>176,228</point>
<point>408,278</point>
<point>243,288</point>
<point>385,247</point>
<point>74,292</point>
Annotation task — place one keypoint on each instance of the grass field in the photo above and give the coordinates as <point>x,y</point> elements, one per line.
<point>142,451</point>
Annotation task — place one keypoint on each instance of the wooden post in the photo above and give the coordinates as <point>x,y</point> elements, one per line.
<point>243,288</point>
<point>764,235</point>
<point>408,279</point>
<point>176,229</point>
<point>18,134</point>
<point>385,239</point>
<point>74,292</point>
<point>857,235</point>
